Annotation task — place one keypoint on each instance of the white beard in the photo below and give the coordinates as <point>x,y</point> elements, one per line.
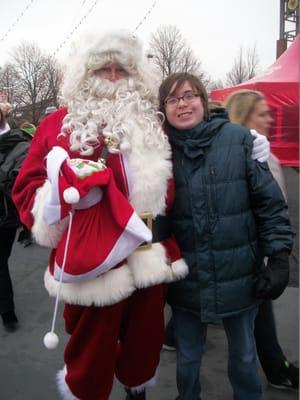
<point>119,110</point>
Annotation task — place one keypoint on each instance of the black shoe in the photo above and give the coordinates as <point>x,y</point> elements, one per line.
<point>27,242</point>
<point>25,238</point>
<point>168,346</point>
<point>139,396</point>
<point>288,377</point>
<point>10,321</point>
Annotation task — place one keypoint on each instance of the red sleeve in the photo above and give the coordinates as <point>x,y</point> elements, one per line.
<point>32,174</point>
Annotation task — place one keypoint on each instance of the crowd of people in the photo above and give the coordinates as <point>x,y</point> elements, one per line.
<point>148,194</point>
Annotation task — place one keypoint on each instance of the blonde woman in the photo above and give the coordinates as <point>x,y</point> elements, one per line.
<point>250,109</point>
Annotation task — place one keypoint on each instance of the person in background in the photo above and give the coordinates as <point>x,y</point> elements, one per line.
<point>49,110</point>
<point>215,106</point>
<point>25,236</point>
<point>28,128</point>
<point>228,214</point>
<point>14,145</point>
<point>250,109</point>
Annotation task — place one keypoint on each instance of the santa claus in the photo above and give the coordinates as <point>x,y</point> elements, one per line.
<point>112,250</point>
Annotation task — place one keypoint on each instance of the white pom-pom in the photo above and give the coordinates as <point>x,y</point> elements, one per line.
<point>125,147</point>
<point>71,195</point>
<point>51,340</point>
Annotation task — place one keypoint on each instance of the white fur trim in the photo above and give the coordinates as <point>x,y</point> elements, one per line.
<point>138,389</point>
<point>52,208</point>
<point>150,267</point>
<point>179,270</point>
<point>109,288</point>
<point>63,387</point>
<point>43,233</point>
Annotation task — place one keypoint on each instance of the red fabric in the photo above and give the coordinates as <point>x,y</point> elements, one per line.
<point>96,230</point>
<point>93,353</point>
<point>172,248</point>
<point>33,173</point>
<point>280,85</point>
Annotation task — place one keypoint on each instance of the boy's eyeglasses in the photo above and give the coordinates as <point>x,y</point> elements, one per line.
<point>188,97</point>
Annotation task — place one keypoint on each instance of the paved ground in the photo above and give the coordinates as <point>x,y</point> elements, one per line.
<point>27,369</point>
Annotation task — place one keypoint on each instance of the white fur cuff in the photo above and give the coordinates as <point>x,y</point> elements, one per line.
<point>44,234</point>
<point>138,389</point>
<point>150,267</point>
<point>178,270</point>
<point>62,386</point>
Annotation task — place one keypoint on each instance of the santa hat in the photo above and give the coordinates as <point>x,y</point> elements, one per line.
<point>94,50</point>
<point>121,44</point>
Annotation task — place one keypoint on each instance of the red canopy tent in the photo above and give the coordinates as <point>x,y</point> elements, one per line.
<point>280,85</point>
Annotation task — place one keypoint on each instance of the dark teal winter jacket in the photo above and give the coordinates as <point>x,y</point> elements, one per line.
<point>228,214</point>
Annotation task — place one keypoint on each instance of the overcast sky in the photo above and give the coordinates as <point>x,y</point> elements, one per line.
<point>215,29</point>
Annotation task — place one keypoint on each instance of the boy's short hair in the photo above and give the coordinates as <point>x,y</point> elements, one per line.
<point>178,80</point>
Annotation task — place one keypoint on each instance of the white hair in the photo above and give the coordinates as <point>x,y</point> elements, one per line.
<point>116,109</point>
<point>119,110</point>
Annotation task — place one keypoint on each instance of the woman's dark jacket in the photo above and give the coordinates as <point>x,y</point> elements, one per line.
<point>228,214</point>
<point>14,146</point>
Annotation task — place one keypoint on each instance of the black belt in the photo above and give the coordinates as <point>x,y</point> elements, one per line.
<point>160,228</point>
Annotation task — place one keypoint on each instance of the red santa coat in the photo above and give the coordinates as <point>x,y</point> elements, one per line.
<point>143,176</point>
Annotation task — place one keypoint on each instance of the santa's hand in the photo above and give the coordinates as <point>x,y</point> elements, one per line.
<point>261,147</point>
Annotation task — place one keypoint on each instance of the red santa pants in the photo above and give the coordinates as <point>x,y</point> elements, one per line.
<point>124,339</point>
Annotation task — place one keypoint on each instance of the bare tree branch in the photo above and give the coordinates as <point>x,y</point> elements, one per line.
<point>171,53</point>
<point>244,68</point>
<point>9,82</point>
<point>35,79</point>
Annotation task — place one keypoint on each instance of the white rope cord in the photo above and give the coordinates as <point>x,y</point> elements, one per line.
<point>145,17</point>
<point>16,21</point>
<point>52,344</point>
<point>75,27</point>
<point>62,270</point>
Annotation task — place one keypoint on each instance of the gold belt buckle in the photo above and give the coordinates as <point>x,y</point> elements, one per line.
<point>147,218</point>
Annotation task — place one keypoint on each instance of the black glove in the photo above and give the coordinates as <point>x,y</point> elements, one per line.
<point>274,277</point>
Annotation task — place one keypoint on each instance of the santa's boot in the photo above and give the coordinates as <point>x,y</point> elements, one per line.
<point>135,396</point>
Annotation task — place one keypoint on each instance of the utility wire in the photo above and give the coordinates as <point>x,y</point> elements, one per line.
<point>145,17</point>
<point>75,28</point>
<point>16,21</point>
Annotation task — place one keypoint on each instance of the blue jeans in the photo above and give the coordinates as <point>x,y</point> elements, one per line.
<point>269,352</point>
<point>190,337</point>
